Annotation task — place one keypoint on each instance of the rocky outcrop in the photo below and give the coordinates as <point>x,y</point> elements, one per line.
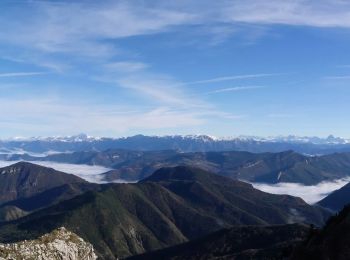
<point>59,244</point>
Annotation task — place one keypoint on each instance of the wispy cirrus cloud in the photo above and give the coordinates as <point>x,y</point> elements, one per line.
<point>82,27</point>
<point>280,115</point>
<point>89,38</point>
<point>235,89</point>
<point>228,78</point>
<point>322,13</point>
<point>20,74</point>
<point>62,117</point>
<point>126,66</point>
<point>338,77</point>
<point>158,88</point>
<point>344,66</point>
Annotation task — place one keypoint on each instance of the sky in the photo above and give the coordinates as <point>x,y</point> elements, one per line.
<point>222,68</point>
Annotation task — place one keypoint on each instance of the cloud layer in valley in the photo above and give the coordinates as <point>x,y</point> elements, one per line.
<point>311,194</point>
<point>91,173</point>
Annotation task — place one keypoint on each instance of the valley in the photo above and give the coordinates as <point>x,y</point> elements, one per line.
<point>126,219</point>
<point>153,217</point>
<point>311,178</point>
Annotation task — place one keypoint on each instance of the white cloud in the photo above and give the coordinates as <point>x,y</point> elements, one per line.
<point>39,116</point>
<point>311,194</point>
<point>43,62</point>
<point>80,27</point>
<point>20,74</point>
<point>83,27</point>
<point>228,78</point>
<point>234,89</point>
<point>314,13</point>
<point>280,115</point>
<point>344,66</point>
<point>345,77</point>
<point>85,35</point>
<point>126,66</point>
<point>86,172</point>
<point>160,89</point>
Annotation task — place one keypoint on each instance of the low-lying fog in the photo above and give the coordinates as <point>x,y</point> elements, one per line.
<point>91,173</point>
<point>310,194</point>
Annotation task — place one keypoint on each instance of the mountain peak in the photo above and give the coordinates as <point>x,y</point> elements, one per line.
<point>177,173</point>
<point>42,146</point>
<point>20,167</point>
<point>27,179</point>
<point>189,173</point>
<point>82,137</point>
<point>28,167</point>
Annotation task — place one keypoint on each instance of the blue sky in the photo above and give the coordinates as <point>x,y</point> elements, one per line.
<point>224,68</point>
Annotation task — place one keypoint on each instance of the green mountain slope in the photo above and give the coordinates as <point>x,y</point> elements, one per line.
<point>241,242</point>
<point>337,199</point>
<point>24,179</point>
<point>172,206</point>
<point>331,242</point>
<point>26,187</point>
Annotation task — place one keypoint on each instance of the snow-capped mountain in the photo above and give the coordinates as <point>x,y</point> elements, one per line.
<point>300,139</point>
<point>184,143</point>
<point>200,137</point>
<point>74,138</point>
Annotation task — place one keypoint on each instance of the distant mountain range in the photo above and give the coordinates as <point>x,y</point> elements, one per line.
<point>188,143</point>
<point>171,206</point>
<point>272,168</point>
<point>205,138</point>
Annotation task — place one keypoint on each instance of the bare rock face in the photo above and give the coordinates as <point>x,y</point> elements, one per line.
<point>59,244</point>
